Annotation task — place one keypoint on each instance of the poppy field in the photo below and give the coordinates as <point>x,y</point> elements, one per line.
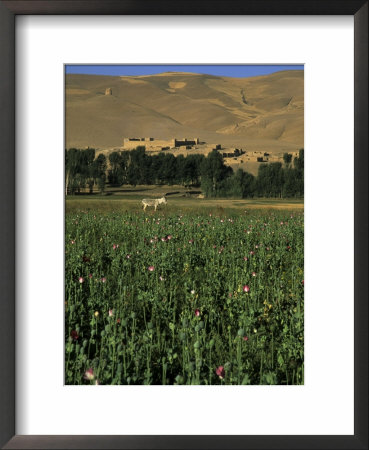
<point>169,298</point>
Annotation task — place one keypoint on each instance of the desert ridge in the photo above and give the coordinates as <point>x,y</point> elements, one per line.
<point>263,113</point>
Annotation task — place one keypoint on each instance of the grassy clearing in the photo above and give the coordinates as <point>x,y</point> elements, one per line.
<point>132,203</point>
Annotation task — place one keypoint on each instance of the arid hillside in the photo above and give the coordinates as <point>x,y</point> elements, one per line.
<point>260,113</point>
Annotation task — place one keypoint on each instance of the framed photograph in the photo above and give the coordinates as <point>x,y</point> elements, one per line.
<point>177,285</point>
<point>184,225</point>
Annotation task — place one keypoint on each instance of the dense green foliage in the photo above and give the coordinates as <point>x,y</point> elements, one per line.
<point>82,168</point>
<point>172,299</point>
<point>215,178</point>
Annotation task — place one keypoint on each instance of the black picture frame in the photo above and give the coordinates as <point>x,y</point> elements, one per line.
<point>8,11</point>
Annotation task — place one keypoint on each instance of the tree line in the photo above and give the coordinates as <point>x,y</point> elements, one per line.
<point>83,169</point>
<point>279,180</point>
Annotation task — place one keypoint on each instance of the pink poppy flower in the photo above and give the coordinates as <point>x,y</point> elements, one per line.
<point>245,258</point>
<point>128,256</point>
<point>151,268</point>
<point>220,372</point>
<point>90,275</point>
<point>103,280</point>
<point>245,338</point>
<point>246,288</point>
<point>81,279</point>
<point>74,335</point>
<point>111,313</point>
<point>252,253</point>
<point>254,274</point>
<point>89,374</point>
<point>115,246</point>
<point>72,242</point>
<point>197,312</point>
<point>169,237</point>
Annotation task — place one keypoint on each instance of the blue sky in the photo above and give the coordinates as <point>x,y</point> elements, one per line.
<point>221,70</point>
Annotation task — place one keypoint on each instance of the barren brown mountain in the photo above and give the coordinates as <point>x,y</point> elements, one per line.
<point>259,113</point>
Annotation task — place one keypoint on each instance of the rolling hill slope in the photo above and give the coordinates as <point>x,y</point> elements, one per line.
<point>265,112</point>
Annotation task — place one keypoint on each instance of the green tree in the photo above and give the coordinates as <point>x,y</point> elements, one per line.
<point>169,168</point>
<point>71,168</point>
<point>192,169</point>
<point>239,185</point>
<point>298,162</point>
<point>77,168</point>
<point>101,183</point>
<point>270,180</point>
<point>136,166</point>
<point>99,172</point>
<point>213,172</point>
<point>290,186</point>
<point>248,185</point>
<point>115,174</point>
<point>88,157</point>
<point>157,164</point>
<point>287,158</point>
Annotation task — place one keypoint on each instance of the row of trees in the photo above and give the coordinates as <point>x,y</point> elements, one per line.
<point>137,167</point>
<point>273,179</point>
<point>215,178</point>
<point>83,169</point>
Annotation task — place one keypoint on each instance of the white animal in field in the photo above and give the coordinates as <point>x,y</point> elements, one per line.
<point>155,202</point>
